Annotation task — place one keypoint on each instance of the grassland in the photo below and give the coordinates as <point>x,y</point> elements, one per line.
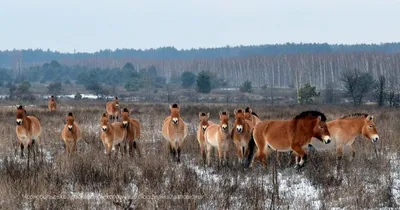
<point>91,180</point>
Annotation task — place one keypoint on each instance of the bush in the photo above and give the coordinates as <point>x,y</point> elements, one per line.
<point>246,87</point>
<point>307,94</point>
<point>188,79</point>
<point>204,82</point>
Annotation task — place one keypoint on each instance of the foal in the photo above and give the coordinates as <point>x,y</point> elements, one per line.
<point>28,130</point>
<point>52,104</point>
<point>241,134</point>
<point>290,135</point>
<point>112,109</point>
<point>71,134</point>
<point>217,135</point>
<point>204,123</point>
<point>346,129</point>
<point>175,130</point>
<point>111,134</point>
<point>133,131</point>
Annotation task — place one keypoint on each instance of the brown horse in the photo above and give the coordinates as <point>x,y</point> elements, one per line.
<point>217,135</point>
<point>28,130</point>
<point>112,109</point>
<point>71,134</point>
<point>111,134</point>
<point>289,135</point>
<point>241,134</point>
<point>346,129</point>
<point>133,131</point>
<point>204,123</point>
<point>252,116</point>
<point>52,104</point>
<point>175,130</point>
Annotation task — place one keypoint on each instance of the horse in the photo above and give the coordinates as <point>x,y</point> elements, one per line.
<point>71,133</point>
<point>28,130</point>
<point>218,135</point>
<point>52,104</point>
<point>174,130</point>
<point>346,129</point>
<point>241,134</point>
<point>133,131</point>
<point>252,116</point>
<point>289,135</point>
<point>111,134</point>
<point>203,125</point>
<point>112,109</point>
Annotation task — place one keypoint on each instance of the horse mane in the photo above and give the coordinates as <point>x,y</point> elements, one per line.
<point>116,98</point>
<point>248,110</point>
<point>203,114</point>
<point>239,111</point>
<point>104,114</point>
<point>20,107</point>
<point>174,106</point>
<point>125,110</point>
<point>70,114</point>
<point>223,113</point>
<point>311,114</point>
<point>355,115</point>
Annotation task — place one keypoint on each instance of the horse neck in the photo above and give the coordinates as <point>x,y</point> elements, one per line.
<point>355,125</point>
<point>306,127</point>
<point>27,122</point>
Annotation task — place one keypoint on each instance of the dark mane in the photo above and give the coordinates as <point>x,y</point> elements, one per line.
<point>125,110</point>
<point>355,115</point>
<point>174,105</point>
<point>116,98</point>
<point>104,114</point>
<point>239,111</point>
<point>311,114</point>
<point>248,110</point>
<point>223,113</point>
<point>20,107</point>
<point>70,114</point>
<point>203,114</point>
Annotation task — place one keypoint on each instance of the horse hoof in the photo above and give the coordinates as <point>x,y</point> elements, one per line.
<point>298,166</point>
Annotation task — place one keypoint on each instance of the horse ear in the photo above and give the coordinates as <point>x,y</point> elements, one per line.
<point>220,113</point>
<point>319,119</point>
<point>370,117</point>
<point>170,107</point>
<point>199,114</point>
<point>250,110</point>
<point>234,112</point>
<point>208,114</point>
<point>227,114</point>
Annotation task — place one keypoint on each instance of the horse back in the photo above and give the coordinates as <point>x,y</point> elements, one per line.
<point>277,134</point>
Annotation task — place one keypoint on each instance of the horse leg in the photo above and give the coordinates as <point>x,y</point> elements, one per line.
<point>300,152</point>
<point>179,154</point>
<point>353,152</point>
<point>22,150</point>
<point>136,146</point>
<point>74,149</point>
<point>277,158</point>
<point>339,150</point>
<point>209,154</point>
<point>239,152</point>
<point>220,154</point>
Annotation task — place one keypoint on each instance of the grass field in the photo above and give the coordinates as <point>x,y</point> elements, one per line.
<point>91,180</point>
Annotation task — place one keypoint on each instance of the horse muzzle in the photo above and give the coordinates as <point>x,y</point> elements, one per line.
<point>19,122</point>
<point>125,124</point>
<point>175,121</point>
<point>204,128</point>
<point>374,138</point>
<point>239,129</point>
<point>70,127</point>
<point>326,139</point>
<point>225,127</point>
<point>104,128</point>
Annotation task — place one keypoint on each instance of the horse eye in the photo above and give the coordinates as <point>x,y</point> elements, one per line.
<point>370,126</point>
<point>322,127</point>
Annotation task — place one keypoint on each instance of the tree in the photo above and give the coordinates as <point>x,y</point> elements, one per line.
<point>132,85</point>
<point>246,87</point>
<point>188,79</point>
<point>11,89</point>
<point>54,88</point>
<point>307,94</point>
<point>203,82</point>
<point>78,96</point>
<point>24,87</point>
<point>380,91</point>
<point>357,84</point>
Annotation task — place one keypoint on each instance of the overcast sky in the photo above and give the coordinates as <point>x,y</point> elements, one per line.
<point>91,25</point>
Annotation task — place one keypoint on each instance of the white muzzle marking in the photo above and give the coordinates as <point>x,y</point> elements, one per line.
<point>374,138</point>
<point>117,105</point>
<point>104,128</point>
<point>204,127</point>
<point>175,120</point>
<point>70,127</point>
<point>326,139</point>
<point>19,121</point>
<point>224,126</point>
<point>125,123</point>
<point>239,128</point>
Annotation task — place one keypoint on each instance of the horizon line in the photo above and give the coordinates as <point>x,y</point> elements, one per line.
<point>74,51</point>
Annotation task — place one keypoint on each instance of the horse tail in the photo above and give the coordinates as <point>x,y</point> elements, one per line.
<point>252,145</point>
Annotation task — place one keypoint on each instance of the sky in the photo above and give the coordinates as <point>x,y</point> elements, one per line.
<point>92,25</point>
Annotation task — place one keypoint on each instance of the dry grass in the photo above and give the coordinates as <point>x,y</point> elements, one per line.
<point>368,182</point>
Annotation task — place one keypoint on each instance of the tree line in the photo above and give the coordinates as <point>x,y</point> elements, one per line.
<point>10,58</point>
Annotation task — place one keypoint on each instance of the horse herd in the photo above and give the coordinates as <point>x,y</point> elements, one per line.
<point>254,139</point>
